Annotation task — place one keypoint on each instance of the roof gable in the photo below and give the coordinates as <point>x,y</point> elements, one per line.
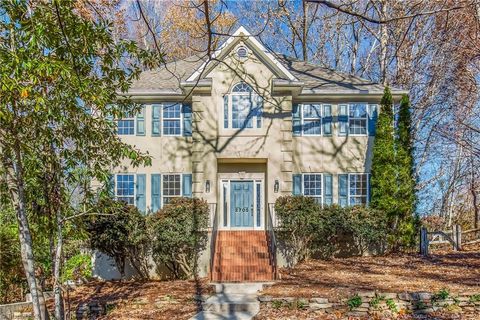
<point>241,34</point>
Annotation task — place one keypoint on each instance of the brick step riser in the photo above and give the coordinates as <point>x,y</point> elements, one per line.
<point>242,256</point>
<point>243,270</point>
<point>231,278</point>
<point>237,244</point>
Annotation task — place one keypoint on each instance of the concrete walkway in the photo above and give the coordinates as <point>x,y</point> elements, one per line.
<point>235,301</point>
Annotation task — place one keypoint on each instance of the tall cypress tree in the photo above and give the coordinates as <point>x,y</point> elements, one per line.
<point>384,171</point>
<point>405,176</point>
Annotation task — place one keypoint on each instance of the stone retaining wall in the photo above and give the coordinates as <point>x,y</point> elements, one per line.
<point>371,303</point>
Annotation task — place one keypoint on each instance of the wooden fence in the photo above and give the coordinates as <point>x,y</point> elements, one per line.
<point>455,237</point>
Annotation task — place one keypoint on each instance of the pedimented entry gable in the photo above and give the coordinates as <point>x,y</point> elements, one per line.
<point>250,42</point>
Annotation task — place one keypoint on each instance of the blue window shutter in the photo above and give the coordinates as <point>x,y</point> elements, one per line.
<point>156,110</point>
<point>187,185</point>
<point>140,193</point>
<point>342,119</point>
<point>297,184</point>
<point>327,120</point>
<point>296,120</point>
<point>225,111</point>
<point>343,190</point>
<point>187,120</point>
<point>141,122</point>
<point>372,119</point>
<point>327,189</point>
<point>156,192</point>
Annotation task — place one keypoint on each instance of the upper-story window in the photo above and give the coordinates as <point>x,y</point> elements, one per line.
<point>357,119</point>
<point>312,119</point>
<point>172,119</point>
<point>126,126</point>
<point>243,108</point>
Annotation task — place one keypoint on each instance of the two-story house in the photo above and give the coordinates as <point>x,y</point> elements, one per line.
<point>242,129</point>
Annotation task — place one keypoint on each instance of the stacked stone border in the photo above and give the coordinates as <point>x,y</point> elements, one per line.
<point>371,303</point>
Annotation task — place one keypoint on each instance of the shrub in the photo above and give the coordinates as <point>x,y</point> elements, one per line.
<point>299,218</point>
<point>307,229</point>
<point>391,305</point>
<point>77,268</point>
<point>354,302</point>
<point>119,231</point>
<point>180,235</point>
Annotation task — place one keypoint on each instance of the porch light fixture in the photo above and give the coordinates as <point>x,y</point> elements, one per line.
<point>207,186</point>
<point>276,186</point>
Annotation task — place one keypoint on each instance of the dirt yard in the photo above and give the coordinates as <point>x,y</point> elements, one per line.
<point>340,278</point>
<point>142,300</point>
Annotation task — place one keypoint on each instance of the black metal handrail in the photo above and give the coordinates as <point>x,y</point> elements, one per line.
<point>270,225</point>
<point>213,237</point>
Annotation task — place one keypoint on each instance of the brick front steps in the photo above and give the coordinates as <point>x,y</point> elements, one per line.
<point>242,256</point>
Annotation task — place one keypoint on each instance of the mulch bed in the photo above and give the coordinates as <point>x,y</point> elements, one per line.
<point>143,299</point>
<point>340,278</point>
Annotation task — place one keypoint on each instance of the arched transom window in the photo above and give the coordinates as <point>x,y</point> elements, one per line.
<point>243,108</point>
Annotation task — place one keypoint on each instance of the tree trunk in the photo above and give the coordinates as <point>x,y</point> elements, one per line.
<point>383,45</point>
<point>57,288</point>
<point>17,194</point>
<point>473,191</point>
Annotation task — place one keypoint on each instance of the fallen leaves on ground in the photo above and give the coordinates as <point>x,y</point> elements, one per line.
<point>143,299</point>
<point>340,278</point>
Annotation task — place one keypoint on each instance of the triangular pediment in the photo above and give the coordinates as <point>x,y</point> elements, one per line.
<point>242,35</point>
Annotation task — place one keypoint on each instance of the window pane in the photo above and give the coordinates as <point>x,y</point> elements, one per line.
<point>242,111</point>
<point>312,184</point>
<point>358,119</point>
<point>242,87</point>
<point>311,127</point>
<point>126,127</point>
<point>311,111</point>
<point>125,188</point>
<point>358,189</point>
<point>171,187</point>
<point>172,119</point>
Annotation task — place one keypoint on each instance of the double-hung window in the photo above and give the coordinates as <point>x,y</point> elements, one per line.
<point>358,119</point>
<point>172,119</point>
<point>125,188</point>
<point>311,119</point>
<point>126,126</point>
<point>171,187</point>
<point>358,189</point>
<point>243,108</point>
<point>312,186</point>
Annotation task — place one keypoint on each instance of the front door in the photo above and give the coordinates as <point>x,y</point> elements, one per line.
<point>241,207</point>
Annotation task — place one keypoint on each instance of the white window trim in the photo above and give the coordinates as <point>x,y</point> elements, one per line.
<point>302,118</point>
<point>321,182</point>
<point>162,124</point>
<point>254,119</point>
<point>134,185</point>
<point>134,126</point>
<point>368,187</point>
<point>162,193</point>
<point>350,104</point>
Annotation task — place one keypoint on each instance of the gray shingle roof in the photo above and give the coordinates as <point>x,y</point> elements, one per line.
<point>316,79</point>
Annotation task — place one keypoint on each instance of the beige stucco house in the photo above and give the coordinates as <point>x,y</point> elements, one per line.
<point>242,129</point>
